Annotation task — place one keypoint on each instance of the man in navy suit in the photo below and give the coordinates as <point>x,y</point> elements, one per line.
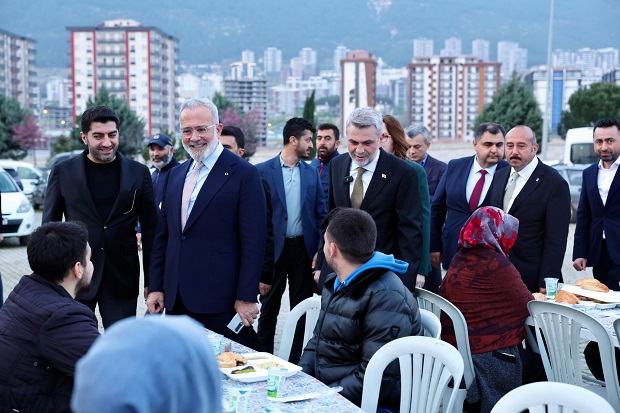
<point>452,203</point>
<point>539,198</point>
<point>419,140</point>
<point>327,142</point>
<point>298,212</point>
<point>597,234</point>
<point>210,238</point>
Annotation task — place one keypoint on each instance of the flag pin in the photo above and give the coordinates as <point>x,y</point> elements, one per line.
<point>537,179</point>
<point>383,176</point>
<point>225,173</point>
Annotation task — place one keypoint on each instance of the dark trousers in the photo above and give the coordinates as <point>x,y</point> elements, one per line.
<point>606,271</point>
<point>218,323</point>
<point>592,356</point>
<point>111,308</point>
<point>295,263</point>
<point>433,280</point>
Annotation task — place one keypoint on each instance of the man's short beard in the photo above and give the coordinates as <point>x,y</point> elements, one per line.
<point>204,151</point>
<point>165,161</point>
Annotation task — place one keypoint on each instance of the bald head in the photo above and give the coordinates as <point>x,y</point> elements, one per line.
<point>521,146</point>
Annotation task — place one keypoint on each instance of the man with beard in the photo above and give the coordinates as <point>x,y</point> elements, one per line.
<point>538,196</point>
<point>43,330</point>
<point>210,239</point>
<point>161,152</point>
<point>598,215</point>
<point>327,142</point>
<point>384,186</point>
<point>298,212</point>
<point>109,193</point>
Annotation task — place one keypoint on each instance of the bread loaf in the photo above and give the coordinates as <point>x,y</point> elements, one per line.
<point>594,285</point>
<point>229,359</point>
<point>563,296</point>
<point>539,297</point>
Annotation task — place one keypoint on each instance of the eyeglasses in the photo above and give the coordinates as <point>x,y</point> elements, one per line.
<point>200,130</point>
<point>385,137</point>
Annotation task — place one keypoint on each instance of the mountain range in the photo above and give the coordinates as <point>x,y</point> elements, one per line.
<point>214,32</point>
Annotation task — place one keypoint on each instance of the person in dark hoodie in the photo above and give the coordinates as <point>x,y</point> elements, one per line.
<point>149,365</point>
<point>364,305</point>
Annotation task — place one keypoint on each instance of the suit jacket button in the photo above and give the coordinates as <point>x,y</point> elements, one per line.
<point>101,248</point>
<point>182,236</point>
<point>105,227</point>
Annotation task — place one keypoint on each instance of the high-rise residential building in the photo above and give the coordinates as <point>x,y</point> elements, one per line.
<point>17,69</point>
<point>481,49</point>
<point>562,58</point>
<point>423,47</point>
<point>290,98</point>
<point>612,76</point>
<point>194,86</point>
<point>247,90</point>
<point>446,93</point>
<point>297,67</point>
<point>512,57</point>
<point>359,82</point>
<point>133,62</point>
<point>309,62</point>
<point>247,56</point>
<point>340,52</point>
<point>272,60</point>
<point>58,92</point>
<point>452,47</point>
<point>566,81</point>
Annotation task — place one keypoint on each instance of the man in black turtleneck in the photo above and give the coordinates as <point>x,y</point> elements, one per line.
<point>109,193</point>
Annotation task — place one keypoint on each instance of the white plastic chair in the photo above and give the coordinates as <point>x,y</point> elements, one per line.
<point>436,304</point>
<point>617,329</point>
<point>426,367</point>
<point>558,328</point>
<point>552,397</point>
<point>311,308</point>
<point>430,323</point>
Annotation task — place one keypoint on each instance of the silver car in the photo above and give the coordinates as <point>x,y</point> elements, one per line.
<point>573,174</point>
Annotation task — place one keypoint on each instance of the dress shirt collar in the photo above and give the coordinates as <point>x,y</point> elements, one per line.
<point>210,160</point>
<point>424,161</point>
<point>370,167</point>
<point>476,167</point>
<point>284,165</point>
<point>528,170</point>
<point>613,165</point>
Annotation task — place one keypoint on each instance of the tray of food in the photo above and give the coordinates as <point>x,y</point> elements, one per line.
<point>251,367</point>
<point>592,290</point>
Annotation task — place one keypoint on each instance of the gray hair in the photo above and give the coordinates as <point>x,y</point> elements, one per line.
<point>419,129</point>
<point>365,118</point>
<point>201,102</point>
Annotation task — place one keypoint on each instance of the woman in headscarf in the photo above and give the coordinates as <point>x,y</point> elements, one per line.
<point>393,142</point>
<point>487,288</point>
<point>149,365</point>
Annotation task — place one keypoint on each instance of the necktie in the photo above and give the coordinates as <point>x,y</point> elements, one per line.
<point>474,200</point>
<point>188,188</point>
<point>358,189</point>
<point>510,189</point>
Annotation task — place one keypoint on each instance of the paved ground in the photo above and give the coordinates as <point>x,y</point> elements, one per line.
<point>14,262</point>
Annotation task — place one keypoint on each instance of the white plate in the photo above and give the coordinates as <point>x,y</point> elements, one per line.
<point>255,360</point>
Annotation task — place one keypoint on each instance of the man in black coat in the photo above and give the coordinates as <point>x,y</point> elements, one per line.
<point>109,193</point>
<point>384,186</point>
<point>538,196</point>
<point>43,330</point>
<point>364,305</point>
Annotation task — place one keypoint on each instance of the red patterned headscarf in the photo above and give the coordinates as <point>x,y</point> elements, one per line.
<point>489,227</point>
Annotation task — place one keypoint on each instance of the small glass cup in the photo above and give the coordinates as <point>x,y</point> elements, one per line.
<point>275,381</point>
<point>551,285</point>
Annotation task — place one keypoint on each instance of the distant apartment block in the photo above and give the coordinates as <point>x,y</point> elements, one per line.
<point>512,57</point>
<point>612,77</point>
<point>247,56</point>
<point>452,47</point>
<point>247,90</point>
<point>447,93</point>
<point>272,60</point>
<point>565,82</point>
<point>340,52</point>
<point>423,47</point>
<point>481,49</point>
<point>308,62</point>
<point>194,86</point>
<point>134,62</point>
<point>593,63</point>
<point>358,82</point>
<point>288,99</point>
<point>17,69</point>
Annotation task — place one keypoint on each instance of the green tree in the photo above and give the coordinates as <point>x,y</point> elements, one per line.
<point>221,102</point>
<point>514,104</point>
<point>28,135</point>
<point>180,153</point>
<point>600,100</point>
<point>131,128</point>
<point>11,114</point>
<point>62,144</point>
<point>308,114</point>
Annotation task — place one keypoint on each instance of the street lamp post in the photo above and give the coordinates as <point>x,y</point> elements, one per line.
<point>548,97</point>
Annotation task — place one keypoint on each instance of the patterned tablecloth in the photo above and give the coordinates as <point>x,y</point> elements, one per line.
<point>300,383</point>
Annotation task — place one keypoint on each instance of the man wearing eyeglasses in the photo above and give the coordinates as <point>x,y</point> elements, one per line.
<point>210,238</point>
<point>109,193</point>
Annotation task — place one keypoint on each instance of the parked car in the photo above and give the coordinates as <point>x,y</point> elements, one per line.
<point>28,174</point>
<point>17,213</point>
<point>15,176</point>
<point>573,175</point>
<point>59,157</point>
<point>38,194</point>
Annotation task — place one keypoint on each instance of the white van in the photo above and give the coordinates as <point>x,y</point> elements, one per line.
<point>579,147</point>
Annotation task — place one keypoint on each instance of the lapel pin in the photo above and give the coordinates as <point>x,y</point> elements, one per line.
<point>225,173</point>
<point>383,176</point>
<point>537,179</point>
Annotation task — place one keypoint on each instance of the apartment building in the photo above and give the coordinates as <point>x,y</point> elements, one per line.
<point>446,93</point>
<point>134,62</point>
<point>17,69</point>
